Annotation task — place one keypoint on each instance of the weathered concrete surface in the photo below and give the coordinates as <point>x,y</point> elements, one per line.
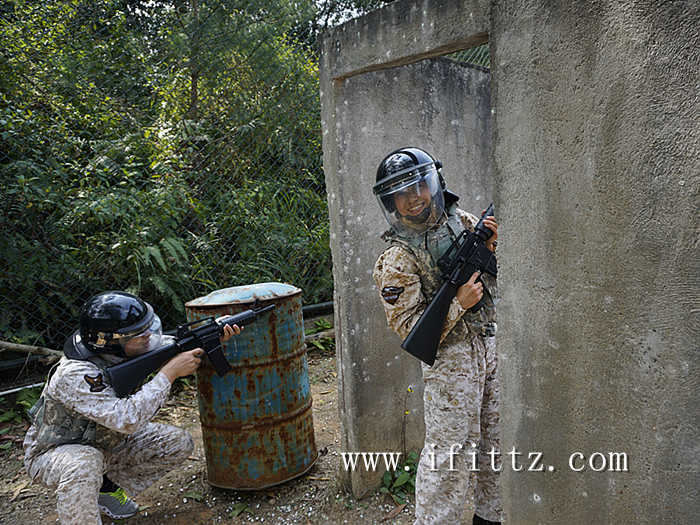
<point>443,107</point>
<point>402,33</point>
<point>596,164</point>
<point>596,186</point>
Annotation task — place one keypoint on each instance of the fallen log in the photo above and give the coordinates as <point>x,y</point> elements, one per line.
<point>29,349</point>
<point>326,334</point>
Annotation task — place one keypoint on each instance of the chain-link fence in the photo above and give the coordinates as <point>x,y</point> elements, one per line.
<point>167,148</point>
<point>164,147</point>
<point>475,56</point>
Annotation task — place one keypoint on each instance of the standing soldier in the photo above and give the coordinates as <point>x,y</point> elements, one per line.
<point>461,394</point>
<point>87,443</point>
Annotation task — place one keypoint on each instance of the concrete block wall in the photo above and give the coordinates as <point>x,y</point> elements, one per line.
<point>373,114</point>
<point>596,182</point>
<point>597,172</point>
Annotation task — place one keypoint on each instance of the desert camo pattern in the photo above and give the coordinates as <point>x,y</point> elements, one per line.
<point>461,391</point>
<point>123,444</point>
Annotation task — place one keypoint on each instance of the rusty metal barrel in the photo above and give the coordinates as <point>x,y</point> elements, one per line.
<point>257,424</point>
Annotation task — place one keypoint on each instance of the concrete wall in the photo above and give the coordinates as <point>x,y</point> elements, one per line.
<point>596,185</point>
<point>439,105</point>
<point>596,164</point>
<point>402,33</point>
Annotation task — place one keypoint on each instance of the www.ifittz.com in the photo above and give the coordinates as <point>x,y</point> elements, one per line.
<point>517,461</point>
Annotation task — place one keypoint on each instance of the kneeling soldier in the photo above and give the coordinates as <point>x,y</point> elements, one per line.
<point>87,443</point>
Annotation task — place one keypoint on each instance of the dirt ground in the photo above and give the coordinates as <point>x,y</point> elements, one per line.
<point>183,497</point>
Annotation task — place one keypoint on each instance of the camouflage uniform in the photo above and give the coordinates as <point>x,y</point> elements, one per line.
<point>461,396</point>
<point>82,429</point>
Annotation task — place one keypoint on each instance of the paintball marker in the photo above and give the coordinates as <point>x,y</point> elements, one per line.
<point>467,254</point>
<point>126,376</point>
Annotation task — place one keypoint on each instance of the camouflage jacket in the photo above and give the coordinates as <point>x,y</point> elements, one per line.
<point>79,406</point>
<point>407,277</point>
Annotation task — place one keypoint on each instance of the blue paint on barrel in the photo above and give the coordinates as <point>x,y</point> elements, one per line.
<point>257,424</point>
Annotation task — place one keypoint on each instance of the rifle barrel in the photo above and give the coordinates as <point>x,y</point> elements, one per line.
<point>245,317</point>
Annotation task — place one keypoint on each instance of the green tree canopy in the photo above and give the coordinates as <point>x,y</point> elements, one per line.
<point>168,148</point>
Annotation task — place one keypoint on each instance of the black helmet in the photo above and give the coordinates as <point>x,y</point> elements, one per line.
<point>108,321</point>
<point>410,172</point>
<point>402,161</point>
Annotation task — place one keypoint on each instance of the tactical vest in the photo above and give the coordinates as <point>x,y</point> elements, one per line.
<point>427,248</point>
<point>58,425</point>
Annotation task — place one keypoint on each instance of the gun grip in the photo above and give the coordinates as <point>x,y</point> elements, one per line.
<point>478,306</point>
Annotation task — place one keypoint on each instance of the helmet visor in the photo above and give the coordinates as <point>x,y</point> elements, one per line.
<point>412,200</point>
<point>144,341</point>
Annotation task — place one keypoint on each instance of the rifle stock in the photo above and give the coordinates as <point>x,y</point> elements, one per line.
<point>424,338</point>
<point>125,377</point>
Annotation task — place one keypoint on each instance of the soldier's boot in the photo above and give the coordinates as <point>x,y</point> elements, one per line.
<point>481,521</point>
<point>114,502</point>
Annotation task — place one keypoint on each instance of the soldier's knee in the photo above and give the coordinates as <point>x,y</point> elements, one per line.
<point>182,442</point>
<point>87,462</point>
<point>188,443</point>
<point>80,466</point>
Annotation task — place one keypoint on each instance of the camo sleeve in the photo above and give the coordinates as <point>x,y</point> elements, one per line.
<point>80,386</point>
<point>396,274</point>
<point>468,219</point>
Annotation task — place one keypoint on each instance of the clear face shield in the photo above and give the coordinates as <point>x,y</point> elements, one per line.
<point>412,200</point>
<point>143,341</point>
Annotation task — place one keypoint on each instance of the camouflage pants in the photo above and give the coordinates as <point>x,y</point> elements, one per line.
<point>75,471</point>
<point>461,400</point>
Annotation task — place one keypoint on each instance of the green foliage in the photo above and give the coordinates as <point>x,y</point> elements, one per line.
<point>10,415</point>
<point>110,183</point>
<point>165,148</point>
<point>15,407</point>
<point>320,325</point>
<point>329,13</point>
<point>27,398</point>
<point>238,509</point>
<point>400,484</point>
<point>194,495</point>
<point>326,345</point>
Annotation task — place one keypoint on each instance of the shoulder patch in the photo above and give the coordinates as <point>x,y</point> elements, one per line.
<point>391,293</point>
<point>96,383</point>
